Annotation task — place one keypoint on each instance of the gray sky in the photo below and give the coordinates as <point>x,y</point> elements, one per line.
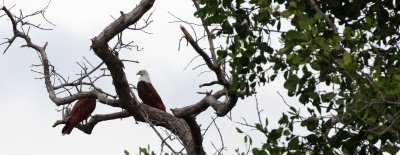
<point>27,113</point>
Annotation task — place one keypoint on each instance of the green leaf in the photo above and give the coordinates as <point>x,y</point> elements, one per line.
<point>293,4</point>
<point>303,24</point>
<point>242,29</point>
<point>143,150</point>
<point>263,3</point>
<point>235,83</point>
<point>347,32</point>
<point>253,1</point>
<point>370,137</point>
<point>311,123</point>
<point>275,134</point>
<point>321,42</point>
<point>226,3</point>
<point>291,83</point>
<point>263,46</point>
<point>273,76</point>
<point>315,66</point>
<point>126,152</point>
<point>284,119</point>
<point>244,61</point>
<point>238,130</point>
<point>294,144</point>
<point>292,35</point>
<point>286,14</point>
<point>368,20</point>
<point>257,151</point>
<point>227,27</point>
<point>312,138</point>
<point>222,54</point>
<point>327,97</point>
<point>252,77</point>
<point>391,149</point>
<point>259,127</point>
<point>347,60</point>
<point>335,79</point>
<point>286,132</point>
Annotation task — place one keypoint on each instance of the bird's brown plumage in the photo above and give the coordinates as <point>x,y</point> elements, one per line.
<point>147,93</point>
<point>81,111</point>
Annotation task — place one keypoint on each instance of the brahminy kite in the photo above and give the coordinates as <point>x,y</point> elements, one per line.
<point>147,93</point>
<point>81,111</point>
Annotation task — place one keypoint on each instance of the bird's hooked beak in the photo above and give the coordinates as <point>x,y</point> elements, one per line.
<point>139,73</point>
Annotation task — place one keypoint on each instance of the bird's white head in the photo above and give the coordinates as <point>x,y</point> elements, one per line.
<point>144,76</point>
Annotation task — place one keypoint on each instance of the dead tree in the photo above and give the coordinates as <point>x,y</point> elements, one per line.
<point>182,122</point>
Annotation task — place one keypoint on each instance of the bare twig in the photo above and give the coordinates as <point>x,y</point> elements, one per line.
<point>191,61</point>
<point>258,110</point>
<point>163,139</point>
<point>182,21</point>
<point>221,139</point>
<point>209,125</point>
<point>209,84</point>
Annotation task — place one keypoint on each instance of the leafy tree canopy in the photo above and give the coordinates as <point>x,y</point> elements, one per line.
<point>340,58</point>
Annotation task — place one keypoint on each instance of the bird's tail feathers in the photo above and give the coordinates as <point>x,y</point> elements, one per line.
<point>67,129</point>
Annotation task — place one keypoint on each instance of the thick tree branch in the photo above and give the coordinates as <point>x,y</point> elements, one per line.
<point>124,21</point>
<point>176,125</point>
<point>113,63</point>
<point>196,134</point>
<point>220,108</point>
<point>88,127</point>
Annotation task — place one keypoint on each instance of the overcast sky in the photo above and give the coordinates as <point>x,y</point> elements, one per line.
<point>27,114</point>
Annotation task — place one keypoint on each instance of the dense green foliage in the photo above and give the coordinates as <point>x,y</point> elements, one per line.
<point>347,79</point>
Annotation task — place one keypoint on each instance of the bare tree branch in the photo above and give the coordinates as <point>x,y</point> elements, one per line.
<point>326,18</point>
<point>220,108</point>
<point>208,84</point>
<point>89,126</point>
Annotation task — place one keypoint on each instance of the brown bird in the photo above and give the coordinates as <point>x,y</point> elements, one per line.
<point>147,93</point>
<point>81,111</point>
